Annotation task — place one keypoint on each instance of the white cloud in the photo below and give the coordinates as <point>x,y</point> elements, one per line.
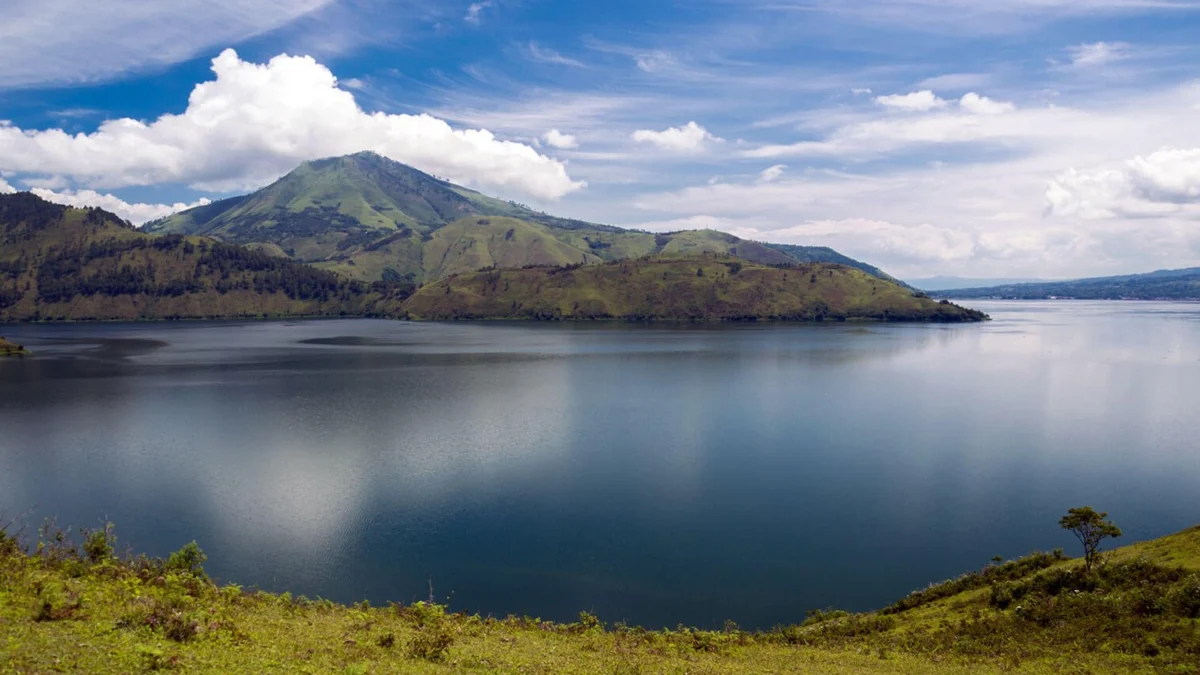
<point>134,213</point>
<point>255,122</point>
<point>860,91</point>
<point>982,209</point>
<point>353,83</point>
<point>917,101</point>
<point>546,55</point>
<point>476,8</point>
<point>5,188</point>
<point>772,172</point>
<point>1097,54</point>
<point>51,41</point>
<point>1162,184</point>
<point>691,137</point>
<point>982,105</point>
<point>557,139</point>
<point>655,61</point>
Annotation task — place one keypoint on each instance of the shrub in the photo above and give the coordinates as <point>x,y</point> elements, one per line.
<point>1185,600</point>
<point>188,559</point>
<point>431,644</point>
<point>56,603</point>
<point>172,617</point>
<point>100,544</point>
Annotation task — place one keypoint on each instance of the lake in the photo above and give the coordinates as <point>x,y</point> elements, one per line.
<point>658,475</point>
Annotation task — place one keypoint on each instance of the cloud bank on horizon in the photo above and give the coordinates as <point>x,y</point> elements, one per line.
<point>905,133</point>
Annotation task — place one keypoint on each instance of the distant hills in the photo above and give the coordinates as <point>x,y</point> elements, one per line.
<point>1183,284</point>
<point>64,263</point>
<point>943,283</point>
<point>370,218</point>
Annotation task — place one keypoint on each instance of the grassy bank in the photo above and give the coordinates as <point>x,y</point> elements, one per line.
<point>78,608</point>
<point>11,348</point>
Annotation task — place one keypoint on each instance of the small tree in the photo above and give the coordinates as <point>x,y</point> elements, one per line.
<point>1090,528</point>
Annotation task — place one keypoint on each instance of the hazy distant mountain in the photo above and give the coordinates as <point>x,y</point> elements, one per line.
<point>942,283</point>
<point>1183,284</point>
<point>370,218</point>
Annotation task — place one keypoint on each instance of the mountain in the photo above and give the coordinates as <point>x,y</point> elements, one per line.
<point>64,263</point>
<point>59,262</point>
<point>824,254</point>
<point>942,283</point>
<point>695,288</point>
<point>1183,284</point>
<point>370,218</point>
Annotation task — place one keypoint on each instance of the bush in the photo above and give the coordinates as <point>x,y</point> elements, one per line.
<point>172,617</point>
<point>431,644</point>
<point>99,544</point>
<point>188,559</point>
<point>1185,600</point>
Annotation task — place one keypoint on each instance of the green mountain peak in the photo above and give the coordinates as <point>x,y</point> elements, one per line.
<point>371,218</point>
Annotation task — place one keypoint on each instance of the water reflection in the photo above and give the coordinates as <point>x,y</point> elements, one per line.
<point>660,475</point>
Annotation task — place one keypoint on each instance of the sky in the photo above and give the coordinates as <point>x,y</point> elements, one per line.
<point>1013,138</point>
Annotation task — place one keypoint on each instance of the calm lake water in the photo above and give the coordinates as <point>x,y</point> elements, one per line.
<point>656,475</point>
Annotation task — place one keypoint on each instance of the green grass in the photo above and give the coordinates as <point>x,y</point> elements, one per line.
<point>68,608</point>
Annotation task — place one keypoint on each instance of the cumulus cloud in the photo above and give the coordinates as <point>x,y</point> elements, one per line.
<point>134,213</point>
<point>5,188</point>
<point>1097,54</point>
<point>771,173</point>
<point>691,137</point>
<point>917,101</point>
<point>255,122</point>
<point>557,139</point>
<point>982,105</point>
<point>1163,183</point>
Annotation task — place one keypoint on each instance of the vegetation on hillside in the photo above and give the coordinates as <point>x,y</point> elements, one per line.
<point>370,218</point>
<point>1181,284</point>
<point>58,262</point>
<point>81,607</point>
<point>824,254</point>
<point>693,288</point>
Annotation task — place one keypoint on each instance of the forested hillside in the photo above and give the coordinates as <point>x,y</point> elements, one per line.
<point>59,262</point>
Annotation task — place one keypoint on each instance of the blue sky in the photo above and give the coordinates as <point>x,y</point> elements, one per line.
<point>1022,138</point>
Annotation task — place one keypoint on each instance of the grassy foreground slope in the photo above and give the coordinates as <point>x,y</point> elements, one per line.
<point>698,288</point>
<point>80,609</point>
